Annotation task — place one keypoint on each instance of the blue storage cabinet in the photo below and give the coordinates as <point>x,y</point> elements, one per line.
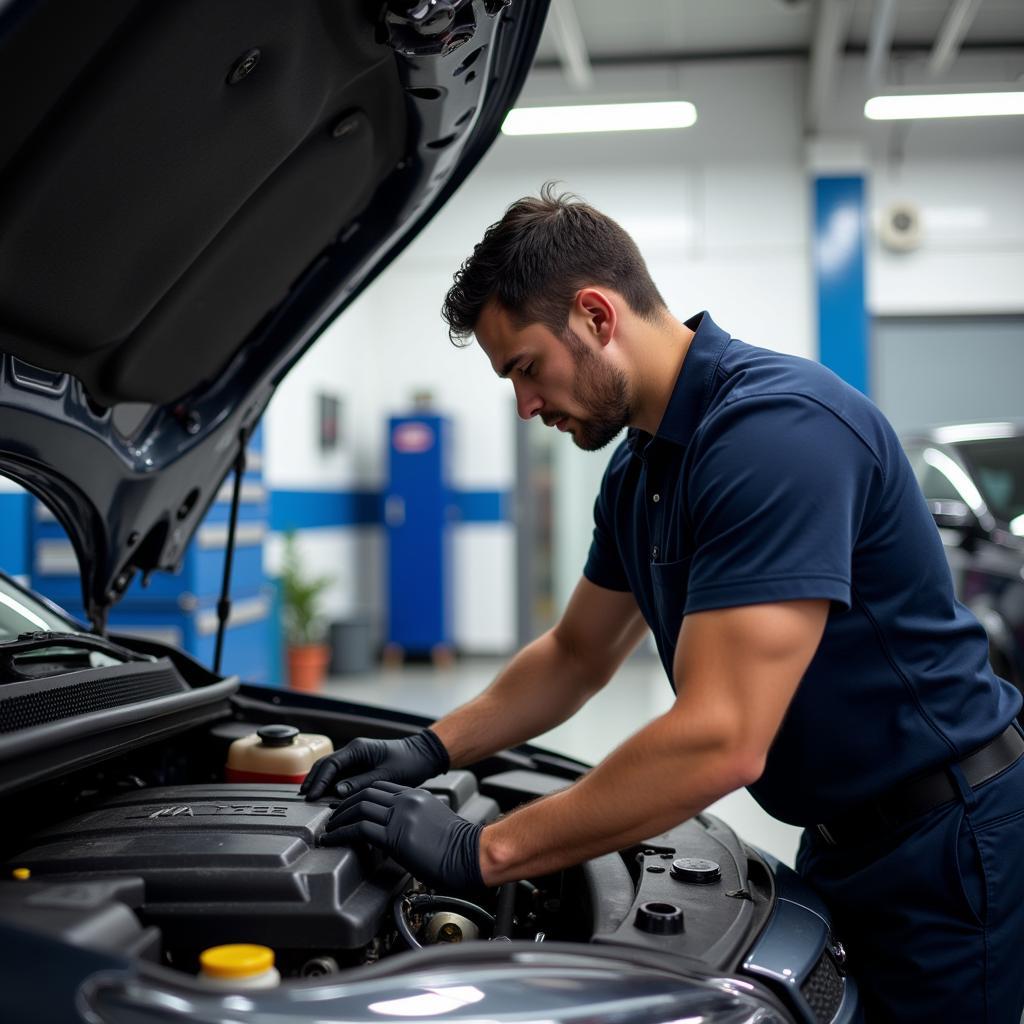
<point>418,508</point>
<point>246,640</point>
<point>180,608</point>
<point>55,568</point>
<point>14,530</point>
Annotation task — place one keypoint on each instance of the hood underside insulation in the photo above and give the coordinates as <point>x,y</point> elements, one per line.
<point>173,170</point>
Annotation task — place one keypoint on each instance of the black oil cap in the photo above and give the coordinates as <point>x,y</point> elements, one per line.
<point>277,735</point>
<point>659,918</point>
<point>696,871</point>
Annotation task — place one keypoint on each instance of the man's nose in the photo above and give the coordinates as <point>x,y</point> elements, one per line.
<point>528,402</point>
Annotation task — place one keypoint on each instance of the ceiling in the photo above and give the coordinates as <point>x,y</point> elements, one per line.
<point>900,44</point>
<point>679,29</point>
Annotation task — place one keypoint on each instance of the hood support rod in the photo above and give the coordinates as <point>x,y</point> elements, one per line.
<point>224,603</point>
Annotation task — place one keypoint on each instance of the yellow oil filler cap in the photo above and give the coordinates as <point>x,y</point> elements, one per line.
<point>21,874</point>
<point>239,965</point>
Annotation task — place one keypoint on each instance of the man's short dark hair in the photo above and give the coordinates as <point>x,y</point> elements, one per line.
<point>535,259</point>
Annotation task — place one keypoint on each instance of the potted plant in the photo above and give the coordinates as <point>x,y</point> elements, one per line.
<point>304,626</point>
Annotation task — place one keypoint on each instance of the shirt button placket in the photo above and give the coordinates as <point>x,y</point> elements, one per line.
<point>655,520</point>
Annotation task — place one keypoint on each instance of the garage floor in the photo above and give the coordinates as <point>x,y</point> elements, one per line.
<point>637,693</point>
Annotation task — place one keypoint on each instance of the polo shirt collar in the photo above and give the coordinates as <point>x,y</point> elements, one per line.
<point>694,385</point>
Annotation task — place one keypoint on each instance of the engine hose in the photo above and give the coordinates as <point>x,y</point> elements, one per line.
<point>429,901</point>
<point>402,923</point>
<point>506,911</point>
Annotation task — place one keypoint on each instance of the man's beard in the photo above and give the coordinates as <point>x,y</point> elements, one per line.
<point>603,391</point>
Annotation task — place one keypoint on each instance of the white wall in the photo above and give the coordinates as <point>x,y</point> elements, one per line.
<point>971,254</point>
<point>965,176</point>
<point>340,363</point>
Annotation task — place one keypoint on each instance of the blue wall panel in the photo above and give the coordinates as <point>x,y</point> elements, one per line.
<point>307,510</point>
<point>14,533</point>
<point>839,222</point>
<point>304,510</point>
<point>481,506</point>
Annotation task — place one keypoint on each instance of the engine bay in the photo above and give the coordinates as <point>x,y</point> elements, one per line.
<point>151,853</point>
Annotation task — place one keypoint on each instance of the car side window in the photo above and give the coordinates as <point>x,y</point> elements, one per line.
<point>21,613</point>
<point>1000,485</point>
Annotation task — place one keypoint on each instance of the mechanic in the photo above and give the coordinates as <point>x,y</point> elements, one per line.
<point>761,519</point>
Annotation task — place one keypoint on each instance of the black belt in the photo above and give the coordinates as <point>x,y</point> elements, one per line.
<point>911,799</point>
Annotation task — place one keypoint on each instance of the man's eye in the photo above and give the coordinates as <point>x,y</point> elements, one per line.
<point>529,370</point>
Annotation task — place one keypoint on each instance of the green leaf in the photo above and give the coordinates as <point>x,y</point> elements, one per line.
<point>300,595</point>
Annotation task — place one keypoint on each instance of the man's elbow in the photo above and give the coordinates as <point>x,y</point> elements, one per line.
<point>730,766</point>
<point>588,671</point>
<point>735,760</point>
<point>744,767</point>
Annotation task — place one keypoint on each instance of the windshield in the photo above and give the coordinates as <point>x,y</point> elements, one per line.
<point>20,613</point>
<point>997,466</point>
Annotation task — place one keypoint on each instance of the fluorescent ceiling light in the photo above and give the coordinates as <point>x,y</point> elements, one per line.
<point>974,432</point>
<point>961,104</point>
<point>599,117</point>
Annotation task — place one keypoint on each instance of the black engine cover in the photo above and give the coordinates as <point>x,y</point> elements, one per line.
<point>234,863</point>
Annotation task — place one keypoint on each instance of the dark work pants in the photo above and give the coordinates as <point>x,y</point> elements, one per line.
<point>933,916</point>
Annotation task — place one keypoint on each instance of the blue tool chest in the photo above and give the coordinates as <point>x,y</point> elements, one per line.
<point>180,608</point>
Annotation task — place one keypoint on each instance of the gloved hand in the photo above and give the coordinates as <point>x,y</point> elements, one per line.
<point>413,826</point>
<point>411,760</point>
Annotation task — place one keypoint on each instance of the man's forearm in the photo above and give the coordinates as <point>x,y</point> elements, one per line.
<point>540,688</point>
<point>669,771</point>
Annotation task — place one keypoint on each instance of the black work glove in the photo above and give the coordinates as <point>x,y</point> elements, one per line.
<point>413,826</point>
<point>411,760</point>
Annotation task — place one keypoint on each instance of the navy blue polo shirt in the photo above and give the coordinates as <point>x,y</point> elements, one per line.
<point>770,479</point>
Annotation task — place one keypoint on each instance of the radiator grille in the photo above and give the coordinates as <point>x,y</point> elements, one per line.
<point>22,711</point>
<point>823,989</point>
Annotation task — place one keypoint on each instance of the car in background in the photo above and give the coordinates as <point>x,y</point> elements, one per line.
<point>190,192</point>
<point>972,476</point>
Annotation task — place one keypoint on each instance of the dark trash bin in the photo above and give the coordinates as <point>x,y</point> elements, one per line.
<point>351,647</point>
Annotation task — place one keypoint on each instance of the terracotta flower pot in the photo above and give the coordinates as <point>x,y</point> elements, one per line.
<point>307,666</point>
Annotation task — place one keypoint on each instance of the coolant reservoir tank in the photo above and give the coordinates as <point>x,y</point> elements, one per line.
<point>275,753</point>
<point>238,966</point>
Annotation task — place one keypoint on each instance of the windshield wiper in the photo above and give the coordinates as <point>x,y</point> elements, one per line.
<point>40,640</point>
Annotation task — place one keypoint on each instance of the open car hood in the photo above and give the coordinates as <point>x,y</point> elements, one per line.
<point>189,193</point>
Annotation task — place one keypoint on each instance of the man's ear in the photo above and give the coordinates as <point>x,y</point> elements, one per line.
<point>595,308</point>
